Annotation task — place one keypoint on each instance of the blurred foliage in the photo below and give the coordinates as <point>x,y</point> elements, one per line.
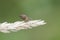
<point>48,10</point>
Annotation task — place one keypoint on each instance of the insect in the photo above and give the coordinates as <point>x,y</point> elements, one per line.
<point>24,17</point>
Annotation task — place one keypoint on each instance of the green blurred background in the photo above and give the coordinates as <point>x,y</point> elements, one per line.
<point>48,10</point>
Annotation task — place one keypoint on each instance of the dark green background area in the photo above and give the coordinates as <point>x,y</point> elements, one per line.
<point>48,10</point>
